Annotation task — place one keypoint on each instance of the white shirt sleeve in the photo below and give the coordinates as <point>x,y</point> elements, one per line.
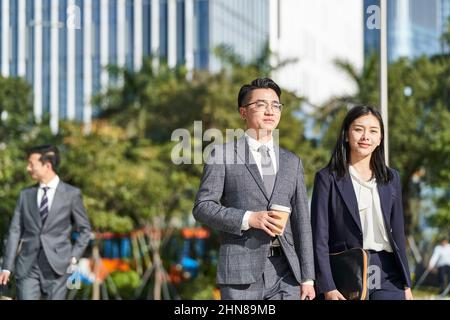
<point>435,257</point>
<point>245,226</point>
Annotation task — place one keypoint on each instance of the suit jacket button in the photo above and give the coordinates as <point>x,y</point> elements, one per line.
<point>391,230</point>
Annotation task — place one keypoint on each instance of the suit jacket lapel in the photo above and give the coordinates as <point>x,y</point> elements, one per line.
<point>347,192</point>
<point>281,169</point>
<point>34,208</point>
<point>243,151</point>
<point>386,202</point>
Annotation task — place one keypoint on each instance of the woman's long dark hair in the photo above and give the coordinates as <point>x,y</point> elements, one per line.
<point>340,159</point>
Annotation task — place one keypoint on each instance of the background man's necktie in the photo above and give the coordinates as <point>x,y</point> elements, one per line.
<point>43,208</point>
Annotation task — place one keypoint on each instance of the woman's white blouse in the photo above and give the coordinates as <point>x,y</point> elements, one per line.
<point>372,223</point>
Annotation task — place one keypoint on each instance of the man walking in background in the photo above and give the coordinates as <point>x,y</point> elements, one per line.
<point>40,230</point>
<point>440,259</point>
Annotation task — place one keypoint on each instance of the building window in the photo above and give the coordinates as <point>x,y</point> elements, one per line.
<point>181,32</point>
<point>163,29</point>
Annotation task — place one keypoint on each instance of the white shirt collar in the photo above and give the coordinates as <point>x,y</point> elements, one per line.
<point>255,144</point>
<point>372,183</point>
<point>52,184</point>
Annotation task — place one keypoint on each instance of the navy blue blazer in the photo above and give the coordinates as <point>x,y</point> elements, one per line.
<point>336,224</point>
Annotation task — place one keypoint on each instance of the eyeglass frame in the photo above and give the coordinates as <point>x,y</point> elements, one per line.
<point>275,109</point>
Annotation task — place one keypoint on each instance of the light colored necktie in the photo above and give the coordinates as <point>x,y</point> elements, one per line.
<point>268,171</point>
<point>269,175</point>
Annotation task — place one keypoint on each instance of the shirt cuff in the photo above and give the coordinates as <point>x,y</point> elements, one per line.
<point>245,226</point>
<point>308,282</point>
<point>6,271</point>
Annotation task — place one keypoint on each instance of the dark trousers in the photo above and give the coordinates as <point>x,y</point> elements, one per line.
<point>42,282</point>
<point>444,277</point>
<point>277,283</point>
<point>385,277</point>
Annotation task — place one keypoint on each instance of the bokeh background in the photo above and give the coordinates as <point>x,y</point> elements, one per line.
<point>108,81</point>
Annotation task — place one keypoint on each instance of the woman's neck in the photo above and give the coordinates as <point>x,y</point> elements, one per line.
<point>362,166</point>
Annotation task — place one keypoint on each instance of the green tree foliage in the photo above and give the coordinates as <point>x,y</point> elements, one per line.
<point>126,283</point>
<point>157,100</point>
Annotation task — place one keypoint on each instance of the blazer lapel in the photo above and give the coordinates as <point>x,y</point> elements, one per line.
<point>347,192</point>
<point>281,169</point>
<point>34,209</point>
<point>243,151</point>
<point>386,202</point>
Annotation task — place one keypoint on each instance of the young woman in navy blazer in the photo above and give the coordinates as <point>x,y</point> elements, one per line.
<point>357,203</point>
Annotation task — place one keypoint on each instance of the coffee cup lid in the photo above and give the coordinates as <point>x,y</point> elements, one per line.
<point>278,207</point>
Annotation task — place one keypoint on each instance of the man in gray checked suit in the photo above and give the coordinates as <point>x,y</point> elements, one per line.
<point>241,180</point>
<point>39,234</point>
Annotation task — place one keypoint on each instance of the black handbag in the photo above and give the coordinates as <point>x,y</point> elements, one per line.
<point>349,269</point>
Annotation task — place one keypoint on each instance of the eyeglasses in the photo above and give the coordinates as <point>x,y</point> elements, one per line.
<point>262,105</point>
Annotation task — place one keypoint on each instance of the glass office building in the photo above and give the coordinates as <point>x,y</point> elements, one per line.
<point>414,27</point>
<point>61,47</point>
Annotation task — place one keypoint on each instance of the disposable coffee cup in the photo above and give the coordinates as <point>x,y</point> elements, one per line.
<point>281,213</point>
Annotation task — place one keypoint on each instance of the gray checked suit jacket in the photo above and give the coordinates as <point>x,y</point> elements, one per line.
<point>27,233</point>
<point>231,185</point>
